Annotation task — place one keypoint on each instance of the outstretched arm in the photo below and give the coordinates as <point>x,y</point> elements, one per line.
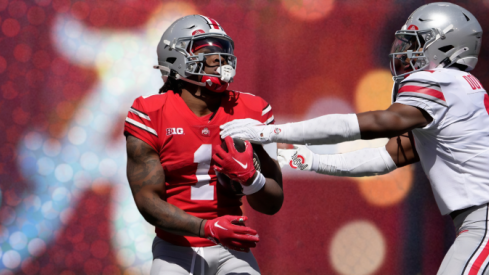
<point>332,129</point>
<point>396,120</point>
<point>398,152</point>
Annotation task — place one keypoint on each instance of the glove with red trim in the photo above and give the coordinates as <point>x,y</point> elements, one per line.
<point>230,232</point>
<point>237,166</point>
<point>301,158</point>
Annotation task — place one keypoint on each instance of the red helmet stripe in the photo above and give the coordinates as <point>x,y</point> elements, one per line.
<point>213,23</point>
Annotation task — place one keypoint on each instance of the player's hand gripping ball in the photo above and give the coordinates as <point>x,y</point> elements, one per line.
<point>231,232</point>
<point>233,186</point>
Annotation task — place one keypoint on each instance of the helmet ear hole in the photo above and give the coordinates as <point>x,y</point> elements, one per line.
<point>171,60</point>
<point>446,48</point>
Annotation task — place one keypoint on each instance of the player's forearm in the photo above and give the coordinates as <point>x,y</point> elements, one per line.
<point>147,180</point>
<point>380,124</point>
<point>361,163</point>
<point>328,129</point>
<point>395,121</point>
<point>269,199</point>
<point>167,216</point>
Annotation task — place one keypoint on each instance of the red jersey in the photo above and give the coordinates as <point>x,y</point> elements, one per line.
<point>184,143</point>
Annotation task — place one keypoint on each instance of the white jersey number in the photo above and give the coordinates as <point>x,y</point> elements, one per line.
<point>202,190</point>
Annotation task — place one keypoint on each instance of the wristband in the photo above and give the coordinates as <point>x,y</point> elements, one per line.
<point>256,186</point>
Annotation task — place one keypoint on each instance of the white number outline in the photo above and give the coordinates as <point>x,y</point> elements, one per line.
<point>202,190</point>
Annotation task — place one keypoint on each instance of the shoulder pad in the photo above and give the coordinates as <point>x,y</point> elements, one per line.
<point>437,75</point>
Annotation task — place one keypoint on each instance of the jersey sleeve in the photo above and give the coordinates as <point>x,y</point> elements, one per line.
<point>268,118</point>
<point>426,95</point>
<point>267,113</point>
<point>139,124</point>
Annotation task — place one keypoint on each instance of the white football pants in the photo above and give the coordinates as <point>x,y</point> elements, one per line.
<point>469,254</point>
<point>169,259</point>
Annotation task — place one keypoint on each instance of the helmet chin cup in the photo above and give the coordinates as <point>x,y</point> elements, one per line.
<point>214,84</point>
<point>227,73</point>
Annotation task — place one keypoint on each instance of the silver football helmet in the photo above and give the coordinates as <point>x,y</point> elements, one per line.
<point>187,35</point>
<point>436,35</point>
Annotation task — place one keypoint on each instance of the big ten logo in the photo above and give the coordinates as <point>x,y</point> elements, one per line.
<point>473,82</point>
<point>174,131</point>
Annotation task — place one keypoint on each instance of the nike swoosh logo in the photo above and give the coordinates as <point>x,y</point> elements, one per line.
<point>242,165</point>
<point>217,225</point>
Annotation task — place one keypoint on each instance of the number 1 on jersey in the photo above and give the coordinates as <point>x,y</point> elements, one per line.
<point>202,190</point>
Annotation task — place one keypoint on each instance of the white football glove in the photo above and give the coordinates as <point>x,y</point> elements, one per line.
<point>247,129</point>
<point>298,158</point>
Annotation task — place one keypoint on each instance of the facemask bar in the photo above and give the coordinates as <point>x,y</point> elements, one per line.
<point>408,51</point>
<point>195,64</point>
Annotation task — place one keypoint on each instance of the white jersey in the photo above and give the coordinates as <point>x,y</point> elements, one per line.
<point>454,147</point>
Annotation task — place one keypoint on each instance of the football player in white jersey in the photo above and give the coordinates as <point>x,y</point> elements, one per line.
<point>439,116</point>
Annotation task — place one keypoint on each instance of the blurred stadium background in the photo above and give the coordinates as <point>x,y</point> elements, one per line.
<point>69,71</point>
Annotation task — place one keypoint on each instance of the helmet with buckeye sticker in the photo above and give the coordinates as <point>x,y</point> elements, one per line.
<point>177,58</point>
<point>436,35</point>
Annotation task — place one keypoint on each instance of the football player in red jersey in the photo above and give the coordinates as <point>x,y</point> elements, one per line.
<point>173,148</point>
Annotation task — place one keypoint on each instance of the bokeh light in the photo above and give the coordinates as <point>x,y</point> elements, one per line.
<point>8,90</point>
<point>308,10</point>
<point>36,15</point>
<point>65,160</point>
<point>17,9</point>
<point>10,27</point>
<point>61,6</point>
<point>374,91</point>
<point>358,248</point>
<point>387,189</point>
<point>11,259</point>
<point>33,141</point>
<point>37,247</point>
<point>23,52</point>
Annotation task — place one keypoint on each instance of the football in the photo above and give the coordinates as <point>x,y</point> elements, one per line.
<point>234,187</point>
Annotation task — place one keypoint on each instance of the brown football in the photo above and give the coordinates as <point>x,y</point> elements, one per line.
<point>233,187</point>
